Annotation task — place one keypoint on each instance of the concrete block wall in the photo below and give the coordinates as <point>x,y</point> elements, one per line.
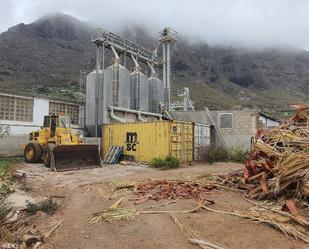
<point>13,145</point>
<point>244,127</point>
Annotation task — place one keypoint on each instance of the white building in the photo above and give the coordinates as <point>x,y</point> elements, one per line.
<point>21,115</point>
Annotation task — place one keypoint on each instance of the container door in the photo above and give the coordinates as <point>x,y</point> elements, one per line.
<point>182,141</point>
<point>201,140</point>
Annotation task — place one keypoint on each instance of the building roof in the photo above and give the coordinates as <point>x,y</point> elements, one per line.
<point>41,96</point>
<point>268,117</point>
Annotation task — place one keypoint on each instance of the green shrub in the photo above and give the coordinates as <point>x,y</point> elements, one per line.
<point>238,155</point>
<point>169,162</point>
<point>48,206</point>
<point>212,154</point>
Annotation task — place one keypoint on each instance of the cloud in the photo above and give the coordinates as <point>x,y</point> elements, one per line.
<point>257,23</point>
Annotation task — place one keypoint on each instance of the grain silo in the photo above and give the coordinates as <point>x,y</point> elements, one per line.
<point>114,90</point>
<point>92,96</point>
<point>117,85</point>
<point>139,91</point>
<point>156,94</point>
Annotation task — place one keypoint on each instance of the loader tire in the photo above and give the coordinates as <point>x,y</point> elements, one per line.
<point>33,153</point>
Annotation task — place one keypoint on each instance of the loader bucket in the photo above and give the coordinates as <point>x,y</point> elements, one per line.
<point>72,157</point>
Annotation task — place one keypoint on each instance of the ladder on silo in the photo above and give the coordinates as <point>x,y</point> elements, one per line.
<point>216,128</point>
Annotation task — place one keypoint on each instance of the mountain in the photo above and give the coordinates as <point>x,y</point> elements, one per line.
<point>45,57</point>
<point>47,53</point>
<point>241,77</point>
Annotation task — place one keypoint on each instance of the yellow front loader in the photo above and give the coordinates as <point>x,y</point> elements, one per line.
<point>59,147</point>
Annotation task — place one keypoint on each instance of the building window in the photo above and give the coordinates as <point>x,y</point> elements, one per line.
<point>72,110</point>
<point>226,120</point>
<point>16,108</point>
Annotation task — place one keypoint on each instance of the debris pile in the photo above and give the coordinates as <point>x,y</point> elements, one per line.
<point>301,115</point>
<point>17,213</point>
<point>171,189</point>
<point>279,160</point>
<point>287,216</point>
<point>19,234</point>
<point>278,169</point>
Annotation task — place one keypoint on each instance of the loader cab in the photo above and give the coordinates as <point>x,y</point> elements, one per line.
<point>65,122</point>
<point>50,121</point>
<point>56,121</point>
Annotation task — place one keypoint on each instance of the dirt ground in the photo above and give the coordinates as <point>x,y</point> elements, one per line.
<point>82,193</point>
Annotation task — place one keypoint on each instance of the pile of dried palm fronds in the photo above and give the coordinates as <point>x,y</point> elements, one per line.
<point>233,181</point>
<point>193,187</point>
<point>301,115</point>
<point>172,189</point>
<point>276,219</point>
<point>279,160</point>
<point>114,212</point>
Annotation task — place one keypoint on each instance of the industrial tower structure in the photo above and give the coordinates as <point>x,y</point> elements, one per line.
<point>186,102</point>
<point>167,37</point>
<point>116,89</point>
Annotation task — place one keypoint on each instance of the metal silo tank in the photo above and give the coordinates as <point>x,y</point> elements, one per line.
<point>144,93</point>
<point>139,91</point>
<point>117,86</point>
<point>156,94</point>
<point>91,100</point>
<point>124,86</point>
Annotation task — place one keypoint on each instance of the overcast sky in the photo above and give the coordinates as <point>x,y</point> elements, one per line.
<point>245,22</point>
